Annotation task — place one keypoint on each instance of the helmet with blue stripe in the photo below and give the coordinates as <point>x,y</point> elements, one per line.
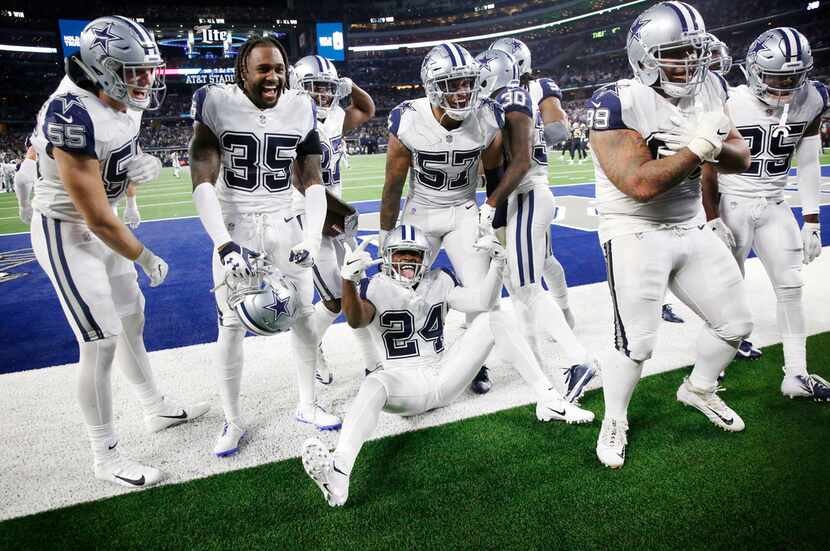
<point>498,70</point>
<point>318,76</point>
<point>450,77</point>
<point>122,57</point>
<point>517,49</point>
<point>406,238</point>
<point>777,64</point>
<point>265,302</point>
<point>668,47</point>
<point>721,57</point>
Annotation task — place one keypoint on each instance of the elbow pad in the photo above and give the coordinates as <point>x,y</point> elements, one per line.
<point>555,132</point>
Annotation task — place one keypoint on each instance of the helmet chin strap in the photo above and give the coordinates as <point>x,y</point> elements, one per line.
<point>782,129</point>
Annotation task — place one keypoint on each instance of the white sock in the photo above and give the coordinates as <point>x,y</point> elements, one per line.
<point>321,319</point>
<point>371,356</point>
<point>513,347</point>
<point>620,375</point>
<point>713,355</point>
<point>135,363</point>
<point>102,439</point>
<point>543,312</point>
<point>793,328</point>
<point>555,278</point>
<point>230,356</point>
<point>305,346</point>
<point>360,422</point>
<point>95,392</point>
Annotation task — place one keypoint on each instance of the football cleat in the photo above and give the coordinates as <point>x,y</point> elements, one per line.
<point>577,378</point>
<point>227,444</point>
<point>613,437</point>
<point>323,371</point>
<point>558,409</point>
<point>318,463</point>
<point>378,367</point>
<point>313,414</point>
<point>670,316</point>
<point>481,383</point>
<point>170,414</point>
<point>747,352</point>
<point>123,471</point>
<point>809,386</point>
<point>710,404</point>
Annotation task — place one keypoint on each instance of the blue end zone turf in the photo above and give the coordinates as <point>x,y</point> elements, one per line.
<point>182,311</point>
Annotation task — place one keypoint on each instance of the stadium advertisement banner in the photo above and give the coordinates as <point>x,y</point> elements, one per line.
<point>331,42</point>
<point>200,76</point>
<point>70,35</point>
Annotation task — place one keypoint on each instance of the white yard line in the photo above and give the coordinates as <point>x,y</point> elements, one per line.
<point>44,435</point>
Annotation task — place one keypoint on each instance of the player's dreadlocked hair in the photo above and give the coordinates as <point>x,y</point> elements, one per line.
<point>250,44</point>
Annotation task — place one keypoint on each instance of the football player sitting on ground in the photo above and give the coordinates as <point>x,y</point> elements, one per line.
<point>778,112</point>
<point>407,302</point>
<point>86,141</point>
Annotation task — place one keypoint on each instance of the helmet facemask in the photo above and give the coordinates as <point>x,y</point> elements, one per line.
<point>682,66</point>
<point>404,263</point>
<point>324,93</point>
<point>721,58</point>
<point>455,94</point>
<point>776,87</point>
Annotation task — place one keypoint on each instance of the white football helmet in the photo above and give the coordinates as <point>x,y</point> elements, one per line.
<point>777,64</point>
<point>405,238</point>
<point>123,58</point>
<point>498,69</point>
<point>450,77</point>
<point>266,302</point>
<point>317,76</point>
<point>721,57</point>
<point>516,48</point>
<point>668,46</point>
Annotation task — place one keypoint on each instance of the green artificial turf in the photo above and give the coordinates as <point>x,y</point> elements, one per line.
<point>506,481</point>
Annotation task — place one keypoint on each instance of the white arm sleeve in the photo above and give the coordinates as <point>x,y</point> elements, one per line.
<point>315,213</point>
<point>480,298</point>
<point>207,205</point>
<point>23,181</point>
<point>809,173</point>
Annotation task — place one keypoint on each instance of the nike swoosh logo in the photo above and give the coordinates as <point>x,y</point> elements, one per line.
<point>64,119</point>
<point>112,447</point>
<point>350,262</point>
<point>722,418</point>
<point>722,133</point>
<point>287,219</point>
<point>182,415</point>
<point>333,466</point>
<point>468,207</point>
<point>134,482</point>
<point>562,413</point>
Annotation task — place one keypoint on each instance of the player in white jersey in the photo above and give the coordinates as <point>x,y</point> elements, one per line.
<point>318,76</point>
<point>546,95</point>
<point>248,139</point>
<point>86,140</point>
<point>177,166</point>
<point>439,140</point>
<point>523,192</point>
<point>651,137</point>
<point>24,181</point>
<point>778,112</point>
<point>407,304</point>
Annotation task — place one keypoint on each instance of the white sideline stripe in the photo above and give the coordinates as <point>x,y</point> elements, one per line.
<point>32,437</point>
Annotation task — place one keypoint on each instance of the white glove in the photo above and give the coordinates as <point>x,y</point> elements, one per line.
<point>25,214</point>
<point>155,268</point>
<point>491,244</point>
<point>237,261</point>
<point>486,213</point>
<point>356,261</point>
<point>811,237</point>
<point>722,231</point>
<point>344,87</point>
<point>304,253</point>
<point>703,135</point>
<point>131,215</point>
<point>143,168</point>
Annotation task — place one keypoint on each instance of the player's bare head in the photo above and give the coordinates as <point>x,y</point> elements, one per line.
<point>262,70</point>
<point>405,254</point>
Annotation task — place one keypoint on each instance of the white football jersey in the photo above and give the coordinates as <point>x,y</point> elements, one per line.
<point>333,146</point>
<point>410,321</point>
<point>518,99</point>
<point>258,145</point>
<point>628,104</point>
<point>444,171</point>
<point>174,158</point>
<point>771,151</point>
<point>543,88</point>
<point>76,121</point>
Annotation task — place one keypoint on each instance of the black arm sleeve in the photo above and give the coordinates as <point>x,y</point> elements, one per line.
<point>311,145</point>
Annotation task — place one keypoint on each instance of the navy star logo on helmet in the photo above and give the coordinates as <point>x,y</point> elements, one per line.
<point>759,47</point>
<point>279,306</point>
<point>638,25</point>
<point>103,37</point>
<point>485,60</point>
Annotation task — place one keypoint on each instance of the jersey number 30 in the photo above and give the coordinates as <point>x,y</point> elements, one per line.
<point>399,332</point>
<point>254,162</point>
